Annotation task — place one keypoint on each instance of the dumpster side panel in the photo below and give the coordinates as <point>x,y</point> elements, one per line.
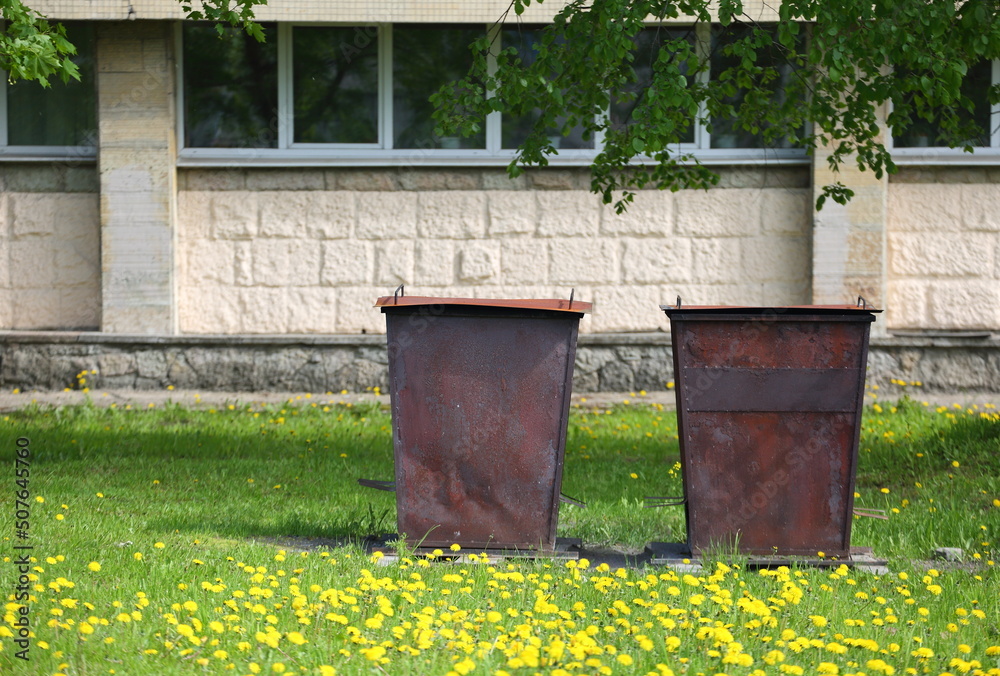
<point>769,480</point>
<point>479,418</point>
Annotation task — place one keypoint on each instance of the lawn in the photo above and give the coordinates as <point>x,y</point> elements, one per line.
<point>170,540</point>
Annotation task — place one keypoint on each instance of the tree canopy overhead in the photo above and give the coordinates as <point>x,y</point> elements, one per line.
<point>838,65</point>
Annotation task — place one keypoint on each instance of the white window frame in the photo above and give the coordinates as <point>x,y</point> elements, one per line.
<point>289,154</point>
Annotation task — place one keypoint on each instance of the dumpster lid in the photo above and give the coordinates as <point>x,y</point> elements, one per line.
<point>777,309</point>
<point>560,304</point>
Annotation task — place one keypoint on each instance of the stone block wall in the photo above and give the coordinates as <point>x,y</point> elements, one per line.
<point>50,259</point>
<point>309,251</point>
<point>944,249</point>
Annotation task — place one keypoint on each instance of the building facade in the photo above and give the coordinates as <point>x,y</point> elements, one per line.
<point>212,212</point>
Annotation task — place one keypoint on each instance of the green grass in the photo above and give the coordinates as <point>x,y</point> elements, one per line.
<point>191,516</point>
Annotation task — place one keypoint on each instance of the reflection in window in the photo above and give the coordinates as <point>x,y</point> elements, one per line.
<point>923,133</point>
<point>515,129</point>
<point>424,59</point>
<point>726,132</point>
<point>648,44</point>
<point>335,84</point>
<point>230,88</point>
<point>63,114</point>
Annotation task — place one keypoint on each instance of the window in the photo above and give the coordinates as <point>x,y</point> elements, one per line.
<point>359,94</point>
<point>58,119</point>
<point>923,133</point>
<point>515,129</point>
<point>425,58</point>
<point>334,86</point>
<point>648,45</point>
<point>230,89</point>
<point>725,133</point>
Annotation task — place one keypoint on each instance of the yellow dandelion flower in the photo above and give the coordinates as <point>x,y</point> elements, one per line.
<point>455,547</point>
<point>94,566</point>
<point>137,556</point>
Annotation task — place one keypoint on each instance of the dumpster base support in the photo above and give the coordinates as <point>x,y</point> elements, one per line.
<point>677,555</point>
<point>565,549</point>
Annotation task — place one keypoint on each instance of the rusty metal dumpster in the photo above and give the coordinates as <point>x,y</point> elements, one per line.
<point>769,406</point>
<point>480,392</point>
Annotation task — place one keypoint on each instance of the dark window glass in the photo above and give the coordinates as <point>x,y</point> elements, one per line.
<point>230,88</point>
<point>424,59</point>
<point>922,133</point>
<point>515,129</point>
<point>63,114</point>
<point>335,84</point>
<point>726,133</point>
<point>648,44</point>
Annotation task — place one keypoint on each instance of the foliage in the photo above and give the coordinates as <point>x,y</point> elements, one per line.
<point>33,48</point>
<point>834,67</point>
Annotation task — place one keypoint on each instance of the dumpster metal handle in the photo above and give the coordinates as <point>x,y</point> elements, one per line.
<point>397,294</point>
<point>571,501</point>
<point>378,485</point>
<point>571,293</point>
<point>678,301</point>
<point>872,513</point>
<point>671,501</point>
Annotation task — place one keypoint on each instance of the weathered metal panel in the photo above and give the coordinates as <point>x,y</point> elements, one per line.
<point>749,389</point>
<point>480,400</point>
<point>769,411</point>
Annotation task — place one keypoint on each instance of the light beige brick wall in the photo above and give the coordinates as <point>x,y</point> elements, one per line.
<point>50,260</point>
<point>944,252</point>
<point>307,261</point>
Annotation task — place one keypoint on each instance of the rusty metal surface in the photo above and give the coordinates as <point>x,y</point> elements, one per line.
<point>769,404</point>
<point>558,304</point>
<point>480,400</point>
<point>769,310</point>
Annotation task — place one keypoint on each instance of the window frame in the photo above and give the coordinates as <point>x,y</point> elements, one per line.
<point>291,154</point>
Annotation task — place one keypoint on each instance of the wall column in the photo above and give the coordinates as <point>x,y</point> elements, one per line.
<point>849,241</point>
<point>137,163</point>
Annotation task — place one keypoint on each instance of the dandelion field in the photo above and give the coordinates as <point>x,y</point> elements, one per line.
<point>173,540</point>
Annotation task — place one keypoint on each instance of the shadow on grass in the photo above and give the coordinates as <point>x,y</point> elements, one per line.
<point>353,527</point>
